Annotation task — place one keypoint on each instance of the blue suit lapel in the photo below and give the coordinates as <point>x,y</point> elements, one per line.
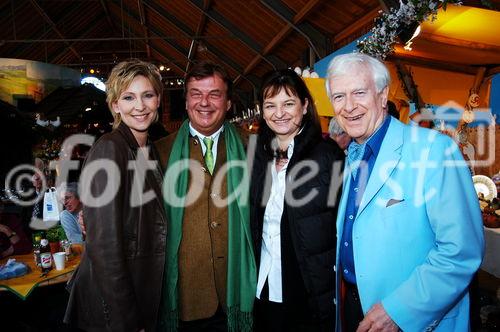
<point>387,160</point>
<point>346,182</point>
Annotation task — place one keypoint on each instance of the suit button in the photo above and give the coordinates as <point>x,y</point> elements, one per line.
<point>204,169</point>
<point>214,224</point>
<point>195,141</point>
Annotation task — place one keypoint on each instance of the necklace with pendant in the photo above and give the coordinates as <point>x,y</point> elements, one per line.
<point>281,157</point>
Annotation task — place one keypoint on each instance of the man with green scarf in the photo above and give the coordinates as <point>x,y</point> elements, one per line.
<point>210,274</point>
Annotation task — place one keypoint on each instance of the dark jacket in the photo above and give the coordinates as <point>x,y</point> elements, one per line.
<point>118,284</point>
<point>308,231</point>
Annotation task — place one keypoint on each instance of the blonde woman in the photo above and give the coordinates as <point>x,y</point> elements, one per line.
<point>117,285</point>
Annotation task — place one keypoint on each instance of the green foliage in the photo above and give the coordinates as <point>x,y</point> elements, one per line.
<point>56,234</point>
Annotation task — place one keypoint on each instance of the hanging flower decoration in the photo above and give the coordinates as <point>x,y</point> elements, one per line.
<point>390,24</point>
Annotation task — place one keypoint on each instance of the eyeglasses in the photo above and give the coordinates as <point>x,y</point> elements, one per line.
<point>67,198</point>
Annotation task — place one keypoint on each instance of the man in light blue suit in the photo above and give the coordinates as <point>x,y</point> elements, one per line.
<point>409,228</point>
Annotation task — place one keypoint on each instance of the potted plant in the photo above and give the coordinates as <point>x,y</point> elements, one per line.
<point>54,235</point>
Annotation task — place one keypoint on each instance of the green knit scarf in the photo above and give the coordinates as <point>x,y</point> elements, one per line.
<point>241,267</point>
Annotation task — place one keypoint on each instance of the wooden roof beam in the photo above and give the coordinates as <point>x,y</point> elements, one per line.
<point>242,37</point>
<point>142,19</point>
<point>387,4</point>
<point>57,58</point>
<point>361,22</point>
<point>188,33</point>
<point>199,30</point>
<point>495,49</point>
<point>53,25</point>
<point>308,8</point>
<point>317,41</point>
<point>4,4</point>
<point>108,16</point>
<point>282,34</point>
<point>492,71</point>
<point>171,44</point>
<point>433,64</point>
<point>42,33</point>
<point>358,4</point>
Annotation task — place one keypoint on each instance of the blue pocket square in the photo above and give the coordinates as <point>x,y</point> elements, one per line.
<point>393,201</point>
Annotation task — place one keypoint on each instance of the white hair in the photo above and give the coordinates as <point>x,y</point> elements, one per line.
<point>334,128</point>
<point>71,188</point>
<point>341,64</point>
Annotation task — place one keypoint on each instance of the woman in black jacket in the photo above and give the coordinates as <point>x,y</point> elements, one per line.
<point>294,196</point>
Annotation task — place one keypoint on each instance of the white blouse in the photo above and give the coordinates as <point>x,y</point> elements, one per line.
<point>270,253</point>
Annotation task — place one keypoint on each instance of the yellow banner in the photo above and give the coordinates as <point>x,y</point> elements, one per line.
<point>318,91</point>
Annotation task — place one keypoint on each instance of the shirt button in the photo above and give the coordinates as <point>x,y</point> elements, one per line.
<point>346,271</point>
<point>356,190</point>
<point>346,244</point>
<point>351,217</point>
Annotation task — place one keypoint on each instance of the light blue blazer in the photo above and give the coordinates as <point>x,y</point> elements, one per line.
<point>418,235</point>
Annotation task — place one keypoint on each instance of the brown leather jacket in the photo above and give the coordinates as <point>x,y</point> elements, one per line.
<point>117,286</point>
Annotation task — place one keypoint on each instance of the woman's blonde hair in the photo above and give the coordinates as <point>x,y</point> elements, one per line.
<point>123,74</point>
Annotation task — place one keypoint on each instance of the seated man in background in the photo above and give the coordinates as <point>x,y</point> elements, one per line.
<point>69,216</point>
<point>338,134</point>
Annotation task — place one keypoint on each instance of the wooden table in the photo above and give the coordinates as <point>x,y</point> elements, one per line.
<point>24,285</point>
